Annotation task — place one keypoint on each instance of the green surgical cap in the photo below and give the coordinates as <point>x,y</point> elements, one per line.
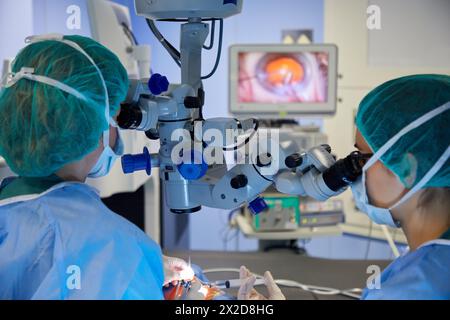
<point>43,128</point>
<point>393,105</point>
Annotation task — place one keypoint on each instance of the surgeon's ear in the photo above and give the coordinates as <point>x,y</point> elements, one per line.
<point>395,180</point>
<point>395,188</point>
<point>409,162</point>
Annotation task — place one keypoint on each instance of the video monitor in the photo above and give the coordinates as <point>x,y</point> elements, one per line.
<point>283,79</point>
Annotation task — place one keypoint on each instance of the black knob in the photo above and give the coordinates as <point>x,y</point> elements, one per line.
<point>293,161</point>
<point>239,181</point>
<point>327,147</point>
<point>195,102</point>
<point>152,134</point>
<point>264,160</point>
<point>192,102</point>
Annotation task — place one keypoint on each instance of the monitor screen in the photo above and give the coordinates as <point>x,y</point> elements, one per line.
<point>282,77</point>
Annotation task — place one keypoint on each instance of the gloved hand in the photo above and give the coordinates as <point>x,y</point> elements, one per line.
<point>176,269</point>
<point>247,292</point>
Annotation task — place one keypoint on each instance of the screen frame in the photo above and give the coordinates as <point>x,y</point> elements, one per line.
<point>282,109</point>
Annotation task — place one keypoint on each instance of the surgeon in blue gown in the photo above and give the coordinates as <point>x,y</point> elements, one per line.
<point>57,239</point>
<point>404,125</point>
<point>403,128</point>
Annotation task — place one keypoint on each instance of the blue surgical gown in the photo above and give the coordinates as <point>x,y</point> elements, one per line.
<point>66,244</point>
<point>422,274</point>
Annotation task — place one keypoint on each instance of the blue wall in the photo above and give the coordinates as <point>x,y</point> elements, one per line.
<point>16,23</point>
<point>35,17</point>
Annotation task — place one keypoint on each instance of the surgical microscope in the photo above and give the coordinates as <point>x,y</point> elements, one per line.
<point>159,109</point>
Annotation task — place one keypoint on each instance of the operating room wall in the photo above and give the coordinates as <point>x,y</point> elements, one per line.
<point>20,19</point>
<point>13,33</point>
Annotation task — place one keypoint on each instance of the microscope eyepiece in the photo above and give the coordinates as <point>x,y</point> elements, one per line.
<point>345,171</point>
<point>130,117</point>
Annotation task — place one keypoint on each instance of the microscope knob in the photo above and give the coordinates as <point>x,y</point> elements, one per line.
<point>152,134</point>
<point>192,103</point>
<point>239,181</point>
<point>158,84</point>
<point>293,161</point>
<point>195,102</point>
<point>194,170</point>
<point>264,160</point>
<point>327,147</point>
<point>137,162</point>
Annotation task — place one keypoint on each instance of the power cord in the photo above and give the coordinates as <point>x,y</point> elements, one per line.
<point>131,36</point>
<point>174,53</point>
<point>211,40</point>
<point>219,51</point>
<point>369,241</point>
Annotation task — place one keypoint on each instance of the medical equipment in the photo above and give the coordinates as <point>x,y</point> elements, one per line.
<point>194,289</point>
<point>281,80</point>
<point>289,213</point>
<point>315,214</point>
<point>283,213</point>
<point>354,293</point>
<point>173,114</point>
<point>111,25</point>
<point>234,283</point>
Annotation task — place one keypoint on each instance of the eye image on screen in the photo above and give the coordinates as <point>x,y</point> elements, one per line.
<point>283,77</point>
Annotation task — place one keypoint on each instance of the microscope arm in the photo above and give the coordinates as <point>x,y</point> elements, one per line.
<point>315,174</point>
<point>242,184</point>
<point>162,111</point>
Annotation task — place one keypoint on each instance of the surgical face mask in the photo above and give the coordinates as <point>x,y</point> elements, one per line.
<point>376,214</point>
<point>107,159</point>
<point>28,73</point>
<point>383,215</point>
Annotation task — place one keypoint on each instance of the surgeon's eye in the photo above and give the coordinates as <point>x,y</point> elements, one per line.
<point>364,157</point>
